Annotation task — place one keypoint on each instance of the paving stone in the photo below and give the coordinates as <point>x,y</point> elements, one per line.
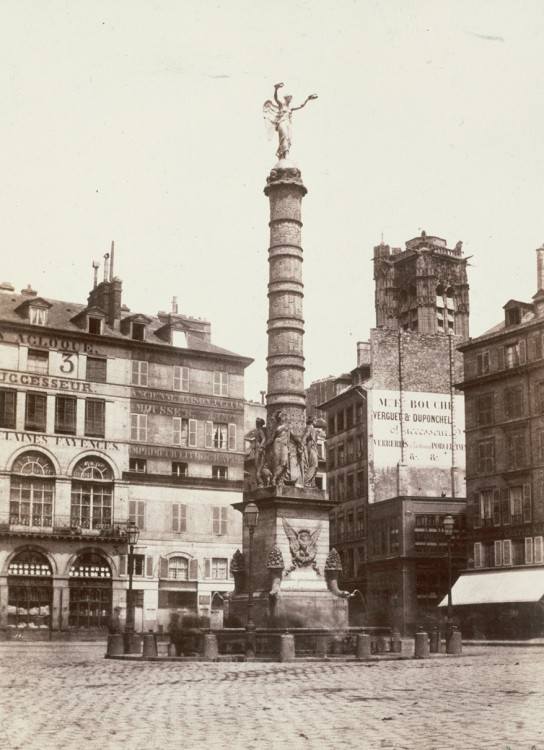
<point>68,696</point>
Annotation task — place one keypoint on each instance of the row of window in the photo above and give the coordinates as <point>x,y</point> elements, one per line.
<point>96,371</point>
<point>345,419</point>
<point>506,552</point>
<point>508,356</point>
<point>502,507</point>
<point>177,568</point>
<point>345,453</point>
<point>179,468</point>
<point>185,432</point>
<point>346,526</point>
<point>217,436</point>
<point>137,514</point>
<point>516,455</point>
<point>347,487</point>
<point>35,414</point>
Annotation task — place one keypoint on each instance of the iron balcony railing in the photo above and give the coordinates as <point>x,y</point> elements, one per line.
<point>44,523</point>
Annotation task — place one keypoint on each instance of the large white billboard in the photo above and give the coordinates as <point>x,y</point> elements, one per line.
<point>424,433</point>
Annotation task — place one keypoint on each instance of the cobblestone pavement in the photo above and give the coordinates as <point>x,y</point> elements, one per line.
<point>68,696</point>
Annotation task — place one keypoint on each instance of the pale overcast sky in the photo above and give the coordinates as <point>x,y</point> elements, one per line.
<point>141,122</point>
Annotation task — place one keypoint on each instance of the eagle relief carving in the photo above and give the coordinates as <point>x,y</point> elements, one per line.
<point>303,546</point>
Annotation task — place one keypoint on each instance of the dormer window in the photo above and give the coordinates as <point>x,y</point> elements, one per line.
<point>179,339</point>
<point>94,325</point>
<point>37,315</point>
<point>513,316</point>
<point>138,331</point>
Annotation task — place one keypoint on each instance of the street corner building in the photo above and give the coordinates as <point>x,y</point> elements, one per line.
<point>395,439</point>
<point>109,417</point>
<point>500,594</point>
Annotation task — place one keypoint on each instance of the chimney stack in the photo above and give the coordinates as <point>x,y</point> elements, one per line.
<point>540,268</point>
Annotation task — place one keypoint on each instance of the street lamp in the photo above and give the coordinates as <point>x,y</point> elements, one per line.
<point>448,524</point>
<point>132,534</point>
<point>251,516</point>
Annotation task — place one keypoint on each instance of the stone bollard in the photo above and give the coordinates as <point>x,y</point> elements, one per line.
<point>395,644</point>
<point>210,650</point>
<point>380,644</point>
<point>421,650</point>
<point>287,647</point>
<point>435,641</point>
<point>453,642</point>
<point>132,643</point>
<point>115,645</point>
<point>363,646</point>
<point>171,649</point>
<point>150,645</point>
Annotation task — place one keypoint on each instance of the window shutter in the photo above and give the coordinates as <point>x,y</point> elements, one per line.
<point>132,510</point>
<point>193,569</point>
<point>522,352</point>
<point>476,509</point>
<point>499,357</point>
<point>149,566</point>
<point>143,373</point>
<point>122,565</point>
<point>177,378</point>
<point>175,517</point>
<point>176,430</point>
<point>496,508</point>
<point>507,552</point>
<point>224,512</point>
<point>528,550</point>
<point>232,437</point>
<point>182,509</point>
<point>208,434</point>
<point>163,599</point>
<point>477,554</point>
<point>498,553</point>
<point>526,503</point>
<point>505,506</point>
<point>140,520</point>
<point>184,378</point>
<point>163,568</point>
<point>216,520</point>
<point>207,568</point>
<point>538,549</point>
<point>192,433</point>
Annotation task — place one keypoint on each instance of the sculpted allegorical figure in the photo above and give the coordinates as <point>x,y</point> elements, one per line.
<point>281,440</point>
<point>309,442</point>
<point>277,115</point>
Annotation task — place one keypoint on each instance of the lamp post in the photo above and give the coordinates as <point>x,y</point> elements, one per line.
<point>251,516</point>
<point>448,524</point>
<point>132,534</point>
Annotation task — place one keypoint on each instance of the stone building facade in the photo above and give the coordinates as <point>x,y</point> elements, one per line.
<point>395,439</point>
<point>107,417</point>
<point>504,397</point>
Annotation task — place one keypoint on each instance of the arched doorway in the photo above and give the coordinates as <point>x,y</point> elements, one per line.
<point>30,591</point>
<point>90,592</point>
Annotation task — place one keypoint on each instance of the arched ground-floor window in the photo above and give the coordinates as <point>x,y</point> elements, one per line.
<point>30,591</point>
<point>90,592</point>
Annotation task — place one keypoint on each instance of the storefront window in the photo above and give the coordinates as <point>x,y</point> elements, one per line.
<point>30,591</point>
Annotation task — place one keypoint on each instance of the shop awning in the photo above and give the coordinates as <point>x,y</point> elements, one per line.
<point>495,587</point>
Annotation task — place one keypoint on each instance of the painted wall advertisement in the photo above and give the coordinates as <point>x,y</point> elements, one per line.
<point>425,433</point>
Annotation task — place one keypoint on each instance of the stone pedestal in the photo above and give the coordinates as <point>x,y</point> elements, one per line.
<point>293,522</point>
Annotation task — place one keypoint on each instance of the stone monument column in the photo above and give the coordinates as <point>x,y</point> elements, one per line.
<point>285,362</point>
<point>291,573</point>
